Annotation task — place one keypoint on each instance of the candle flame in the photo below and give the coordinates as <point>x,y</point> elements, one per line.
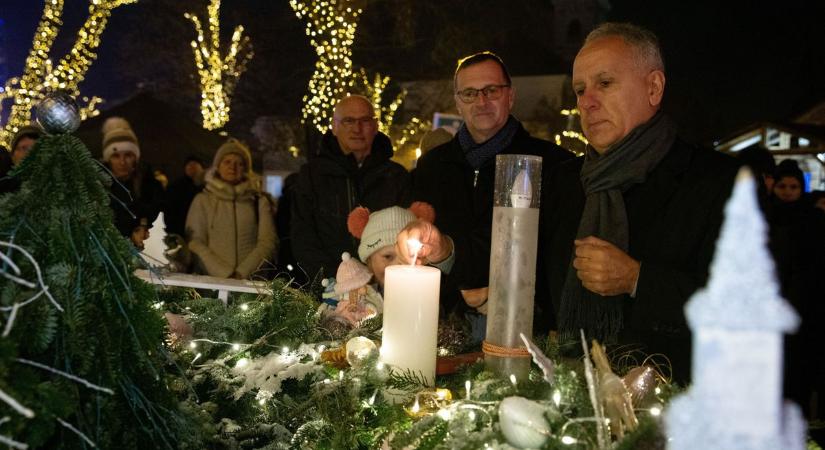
<point>414,246</point>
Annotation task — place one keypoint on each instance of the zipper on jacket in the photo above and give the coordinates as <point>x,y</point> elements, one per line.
<point>351,200</point>
<point>475,178</point>
<point>235,221</point>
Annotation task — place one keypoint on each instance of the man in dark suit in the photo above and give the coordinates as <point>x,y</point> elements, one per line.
<point>628,231</point>
<point>457,179</point>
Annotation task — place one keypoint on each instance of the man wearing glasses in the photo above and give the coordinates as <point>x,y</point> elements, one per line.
<point>353,168</point>
<point>457,179</point>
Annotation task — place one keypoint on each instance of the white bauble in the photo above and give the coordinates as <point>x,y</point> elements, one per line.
<point>359,349</point>
<point>523,422</point>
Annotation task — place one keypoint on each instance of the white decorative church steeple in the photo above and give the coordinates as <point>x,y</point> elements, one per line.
<point>735,402</point>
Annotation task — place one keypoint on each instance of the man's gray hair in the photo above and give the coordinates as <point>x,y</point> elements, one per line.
<point>641,39</point>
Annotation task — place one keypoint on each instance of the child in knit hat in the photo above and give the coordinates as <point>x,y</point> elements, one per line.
<point>357,299</point>
<point>377,232</point>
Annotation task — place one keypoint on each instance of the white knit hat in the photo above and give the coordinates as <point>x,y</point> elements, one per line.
<point>118,137</point>
<point>351,274</point>
<point>381,228</point>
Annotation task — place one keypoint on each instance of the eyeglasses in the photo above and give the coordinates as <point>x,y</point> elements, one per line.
<point>351,122</point>
<point>491,92</point>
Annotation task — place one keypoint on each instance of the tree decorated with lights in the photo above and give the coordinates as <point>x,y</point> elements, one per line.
<point>219,74</point>
<point>571,139</point>
<point>81,353</point>
<point>374,90</point>
<point>406,138</point>
<point>331,29</point>
<point>40,75</point>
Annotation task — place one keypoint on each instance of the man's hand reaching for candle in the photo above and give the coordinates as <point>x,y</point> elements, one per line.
<point>436,247</point>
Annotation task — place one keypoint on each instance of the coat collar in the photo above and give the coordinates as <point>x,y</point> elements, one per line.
<point>454,153</point>
<point>381,151</point>
<point>226,191</point>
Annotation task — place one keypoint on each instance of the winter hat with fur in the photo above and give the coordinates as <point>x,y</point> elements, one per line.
<point>351,275</point>
<point>118,137</point>
<point>32,131</point>
<point>380,228</point>
<point>237,147</point>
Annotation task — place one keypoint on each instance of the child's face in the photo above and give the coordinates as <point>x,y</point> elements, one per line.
<point>378,261</point>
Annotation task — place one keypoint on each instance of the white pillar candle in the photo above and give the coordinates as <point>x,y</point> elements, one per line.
<point>411,319</point>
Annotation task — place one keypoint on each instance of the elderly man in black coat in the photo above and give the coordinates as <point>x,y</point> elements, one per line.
<point>352,169</point>
<point>628,231</point>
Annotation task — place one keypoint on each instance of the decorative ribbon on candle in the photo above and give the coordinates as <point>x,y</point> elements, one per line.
<point>414,246</point>
<point>505,352</point>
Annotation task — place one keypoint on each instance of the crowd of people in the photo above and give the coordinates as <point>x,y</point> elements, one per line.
<point>627,232</point>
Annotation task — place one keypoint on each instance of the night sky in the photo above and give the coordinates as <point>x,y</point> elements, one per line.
<point>728,63</point>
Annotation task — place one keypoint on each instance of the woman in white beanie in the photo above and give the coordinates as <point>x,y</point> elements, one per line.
<point>136,195</point>
<point>229,226</point>
<point>377,232</point>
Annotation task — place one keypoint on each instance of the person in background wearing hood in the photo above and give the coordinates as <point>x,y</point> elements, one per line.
<point>21,144</point>
<point>352,169</point>
<point>797,243</point>
<point>229,226</point>
<point>136,195</point>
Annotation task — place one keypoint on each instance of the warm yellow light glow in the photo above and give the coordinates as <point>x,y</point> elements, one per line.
<point>374,90</point>
<point>218,73</point>
<point>39,73</point>
<point>331,28</point>
<point>570,113</point>
<point>412,132</point>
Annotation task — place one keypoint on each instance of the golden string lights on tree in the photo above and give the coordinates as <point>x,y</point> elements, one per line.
<point>374,91</point>
<point>40,75</point>
<point>406,138</point>
<point>579,141</point>
<point>218,74</point>
<point>331,28</point>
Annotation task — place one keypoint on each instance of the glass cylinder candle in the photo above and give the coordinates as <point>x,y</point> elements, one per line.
<point>513,248</point>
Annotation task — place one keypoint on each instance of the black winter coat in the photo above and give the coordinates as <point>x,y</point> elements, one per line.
<point>797,242</point>
<point>179,197</point>
<point>674,219</point>
<point>136,200</point>
<point>463,201</point>
<point>329,187</point>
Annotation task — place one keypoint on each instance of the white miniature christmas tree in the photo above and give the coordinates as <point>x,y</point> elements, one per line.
<point>154,247</point>
<point>738,319</point>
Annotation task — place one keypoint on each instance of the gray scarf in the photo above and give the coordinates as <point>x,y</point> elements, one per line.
<point>604,179</point>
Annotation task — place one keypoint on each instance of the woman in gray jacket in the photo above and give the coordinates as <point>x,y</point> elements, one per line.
<point>229,226</point>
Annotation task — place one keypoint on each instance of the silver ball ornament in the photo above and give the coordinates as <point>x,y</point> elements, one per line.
<point>359,350</point>
<point>58,113</point>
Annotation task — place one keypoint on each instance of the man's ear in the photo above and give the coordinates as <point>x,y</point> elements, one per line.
<point>655,87</point>
<point>512,97</point>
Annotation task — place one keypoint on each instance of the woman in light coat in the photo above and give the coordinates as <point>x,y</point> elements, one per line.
<point>229,225</point>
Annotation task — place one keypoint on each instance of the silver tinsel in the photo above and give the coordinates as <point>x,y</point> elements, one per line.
<point>57,113</point>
